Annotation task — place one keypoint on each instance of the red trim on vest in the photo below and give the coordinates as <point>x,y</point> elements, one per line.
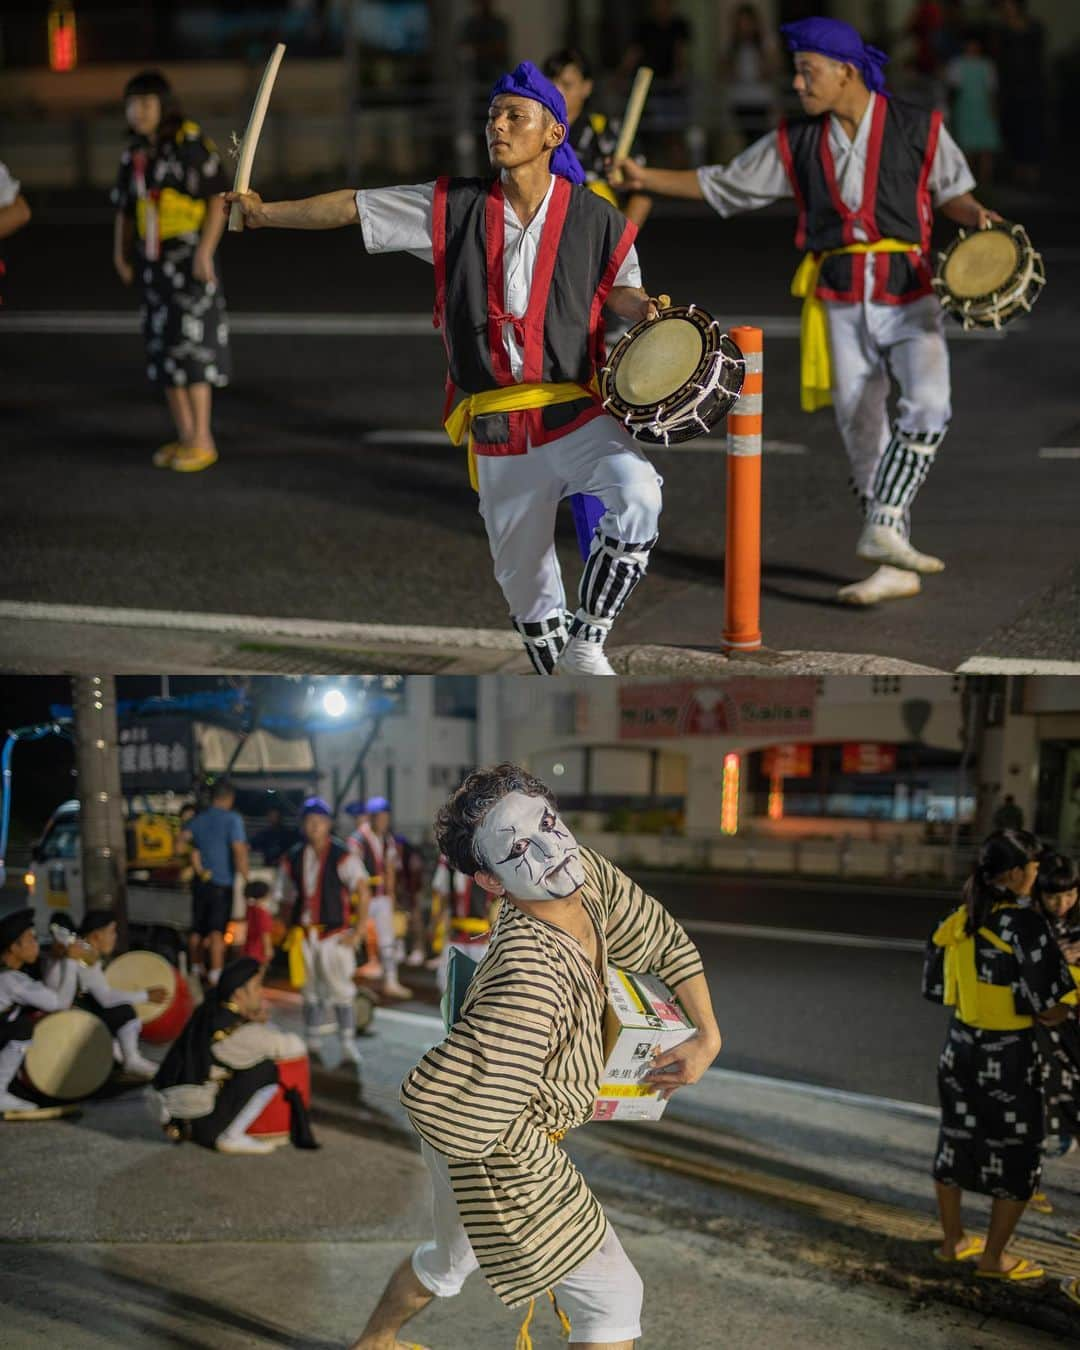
<point>828,165</point>
<point>867,216</point>
<point>784,146</point>
<point>495,245</point>
<point>540,435</point>
<point>925,207</point>
<point>540,286</point>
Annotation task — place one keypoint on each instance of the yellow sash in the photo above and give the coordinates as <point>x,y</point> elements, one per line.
<point>991,1007</point>
<point>293,947</point>
<point>605,191</point>
<point>177,214</point>
<point>815,358</point>
<point>507,398</point>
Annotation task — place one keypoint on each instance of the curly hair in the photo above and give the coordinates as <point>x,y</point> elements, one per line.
<point>459,819</point>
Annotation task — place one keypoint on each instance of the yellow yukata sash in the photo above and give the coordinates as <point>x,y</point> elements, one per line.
<point>815,357</point>
<point>507,398</point>
<point>177,213</point>
<point>990,1007</point>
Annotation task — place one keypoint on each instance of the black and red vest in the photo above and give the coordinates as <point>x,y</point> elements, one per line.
<point>583,243</point>
<point>896,200</point>
<point>329,906</point>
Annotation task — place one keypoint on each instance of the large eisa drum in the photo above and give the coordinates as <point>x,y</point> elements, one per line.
<point>987,277</point>
<point>273,1122</point>
<point>70,1056</point>
<point>673,377</point>
<point>161,1022</point>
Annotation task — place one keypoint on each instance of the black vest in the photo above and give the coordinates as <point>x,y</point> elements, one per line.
<point>583,243</point>
<point>896,200</point>
<point>333,910</point>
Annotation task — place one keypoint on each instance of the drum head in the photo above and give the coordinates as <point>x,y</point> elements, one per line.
<point>981,264</point>
<point>70,1055</point>
<point>365,1010</point>
<point>142,970</point>
<point>659,361</point>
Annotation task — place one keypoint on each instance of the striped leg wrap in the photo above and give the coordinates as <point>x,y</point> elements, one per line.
<point>900,474</point>
<point>544,640</point>
<point>613,570</point>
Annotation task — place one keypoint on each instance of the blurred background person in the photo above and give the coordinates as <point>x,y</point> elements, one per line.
<point>972,80</point>
<point>259,922</point>
<point>1020,54</point>
<point>926,29</point>
<point>167,228</point>
<point>14,210</point>
<point>485,36</point>
<point>662,42</point>
<point>749,69</point>
<point>275,838</point>
<point>220,854</point>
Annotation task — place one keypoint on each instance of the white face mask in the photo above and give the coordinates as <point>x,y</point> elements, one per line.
<point>529,849</point>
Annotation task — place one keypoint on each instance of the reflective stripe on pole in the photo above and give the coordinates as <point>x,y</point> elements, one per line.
<point>742,560</point>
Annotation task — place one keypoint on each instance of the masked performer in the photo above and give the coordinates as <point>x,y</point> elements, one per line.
<point>522,1066</point>
<point>168,225</point>
<point>866,171</point>
<point>996,963</point>
<point>524,265</point>
<point>113,1006</point>
<point>21,996</point>
<point>220,1073</point>
<point>319,877</point>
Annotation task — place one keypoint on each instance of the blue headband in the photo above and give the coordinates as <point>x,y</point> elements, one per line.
<point>315,806</point>
<point>528,82</point>
<point>836,39</point>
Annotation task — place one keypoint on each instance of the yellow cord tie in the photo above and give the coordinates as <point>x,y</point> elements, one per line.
<point>815,359</point>
<point>524,1340</point>
<point>564,1321</point>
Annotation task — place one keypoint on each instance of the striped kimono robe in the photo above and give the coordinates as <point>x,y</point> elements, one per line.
<point>524,1062</point>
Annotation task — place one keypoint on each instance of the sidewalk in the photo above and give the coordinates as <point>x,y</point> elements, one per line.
<point>761,1214</point>
<point>72,637</point>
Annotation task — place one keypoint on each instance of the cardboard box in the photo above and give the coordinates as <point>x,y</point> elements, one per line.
<point>642,1015</point>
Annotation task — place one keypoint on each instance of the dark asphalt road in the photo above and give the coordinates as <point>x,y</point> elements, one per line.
<point>300,518</point>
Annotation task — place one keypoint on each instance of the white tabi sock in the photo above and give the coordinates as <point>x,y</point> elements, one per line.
<point>250,1112</point>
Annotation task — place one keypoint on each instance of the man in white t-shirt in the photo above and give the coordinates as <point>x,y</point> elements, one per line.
<point>524,265</point>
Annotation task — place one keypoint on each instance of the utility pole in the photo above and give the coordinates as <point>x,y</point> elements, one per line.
<point>104,849</point>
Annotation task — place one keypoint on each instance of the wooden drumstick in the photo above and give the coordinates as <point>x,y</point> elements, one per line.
<point>242,180</point>
<point>635,106</point>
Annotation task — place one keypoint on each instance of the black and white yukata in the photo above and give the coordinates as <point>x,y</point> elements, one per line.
<point>164,189</point>
<point>1060,1050</point>
<point>989,1079</point>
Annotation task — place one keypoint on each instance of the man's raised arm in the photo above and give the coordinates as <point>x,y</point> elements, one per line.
<point>329,211</point>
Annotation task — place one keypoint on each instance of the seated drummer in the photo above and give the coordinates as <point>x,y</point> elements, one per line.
<point>115,1007</point>
<point>20,996</point>
<point>220,1074</point>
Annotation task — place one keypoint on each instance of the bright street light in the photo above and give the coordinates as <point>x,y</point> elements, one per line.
<point>334,703</point>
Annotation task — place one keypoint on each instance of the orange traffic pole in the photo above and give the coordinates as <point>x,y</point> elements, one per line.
<point>742,560</point>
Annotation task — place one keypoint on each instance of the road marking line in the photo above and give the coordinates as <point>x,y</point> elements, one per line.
<point>1016,665</point>
<point>1060,452</point>
<point>490,639</point>
<point>771,934</point>
<point>420,436</point>
<point>106,322</point>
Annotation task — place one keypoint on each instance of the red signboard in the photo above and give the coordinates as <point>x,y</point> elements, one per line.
<point>741,706</point>
<point>868,757</point>
<point>788,761</point>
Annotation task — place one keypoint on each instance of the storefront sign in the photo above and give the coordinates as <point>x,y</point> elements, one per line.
<point>156,755</point>
<point>868,757</point>
<point>787,761</point>
<point>740,707</point>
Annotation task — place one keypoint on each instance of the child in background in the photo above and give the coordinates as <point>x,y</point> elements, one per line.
<point>972,78</point>
<point>260,920</point>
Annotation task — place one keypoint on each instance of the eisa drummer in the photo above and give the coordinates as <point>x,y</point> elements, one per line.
<point>20,997</point>
<point>113,1006</point>
<point>866,171</point>
<point>221,1073</point>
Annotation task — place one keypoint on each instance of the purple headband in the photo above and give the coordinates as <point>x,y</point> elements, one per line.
<point>833,37</point>
<point>528,82</point>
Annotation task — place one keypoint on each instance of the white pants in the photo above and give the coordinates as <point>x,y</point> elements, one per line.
<point>381,914</point>
<point>868,343</point>
<point>520,495</point>
<point>328,970</point>
<point>602,1297</point>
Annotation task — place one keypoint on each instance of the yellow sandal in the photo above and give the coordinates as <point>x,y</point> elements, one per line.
<point>165,454</point>
<point>1023,1270</point>
<point>972,1248</point>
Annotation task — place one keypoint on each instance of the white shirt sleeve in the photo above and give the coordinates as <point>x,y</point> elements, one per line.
<point>32,993</point>
<point>440,882</point>
<point>950,175</point>
<point>397,219</point>
<point>284,887</point>
<point>255,1041</point>
<point>630,271</point>
<point>352,871</point>
<point>9,186</point>
<point>754,178</point>
<point>92,981</point>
